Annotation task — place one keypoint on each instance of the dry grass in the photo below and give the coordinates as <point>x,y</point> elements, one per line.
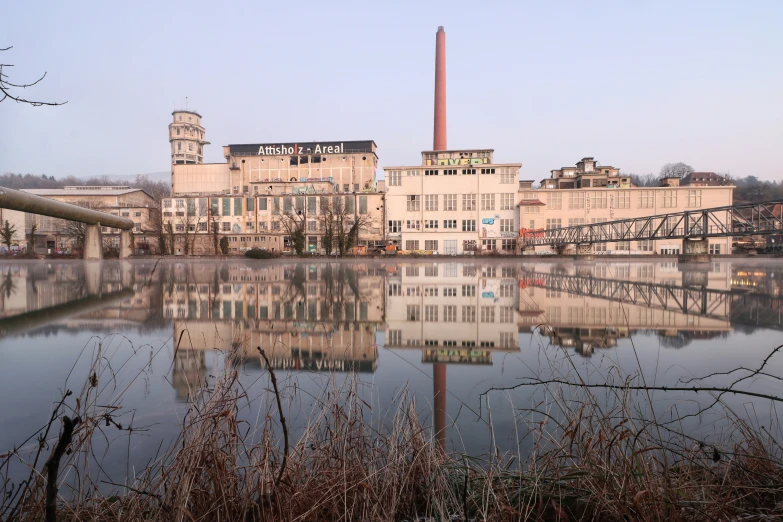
<point>593,459</point>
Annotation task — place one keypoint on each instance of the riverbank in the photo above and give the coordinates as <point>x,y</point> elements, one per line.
<point>596,456</point>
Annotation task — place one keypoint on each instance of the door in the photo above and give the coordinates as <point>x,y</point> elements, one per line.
<point>450,247</point>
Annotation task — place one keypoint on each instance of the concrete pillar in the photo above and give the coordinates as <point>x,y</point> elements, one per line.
<point>125,244</point>
<point>126,273</point>
<point>584,252</point>
<point>695,251</point>
<point>93,277</point>
<point>93,243</point>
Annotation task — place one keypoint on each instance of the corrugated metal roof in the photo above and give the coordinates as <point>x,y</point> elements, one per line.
<point>72,192</point>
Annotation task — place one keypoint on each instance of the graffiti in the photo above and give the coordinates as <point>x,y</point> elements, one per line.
<point>415,252</point>
<point>236,229</point>
<point>458,161</point>
<point>530,233</point>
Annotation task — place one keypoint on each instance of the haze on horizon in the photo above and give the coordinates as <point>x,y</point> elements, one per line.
<point>633,85</point>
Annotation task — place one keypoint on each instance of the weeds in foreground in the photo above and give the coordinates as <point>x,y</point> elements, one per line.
<point>593,458</point>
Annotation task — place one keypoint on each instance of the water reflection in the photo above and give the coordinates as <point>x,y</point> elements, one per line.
<point>391,320</point>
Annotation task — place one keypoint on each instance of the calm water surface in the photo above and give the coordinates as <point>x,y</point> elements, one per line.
<point>445,331</point>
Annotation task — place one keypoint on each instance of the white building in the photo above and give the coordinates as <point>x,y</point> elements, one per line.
<point>455,202</point>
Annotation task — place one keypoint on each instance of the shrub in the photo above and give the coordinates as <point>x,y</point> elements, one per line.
<point>257,253</point>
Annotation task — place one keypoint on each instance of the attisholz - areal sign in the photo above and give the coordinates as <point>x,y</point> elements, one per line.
<point>315,147</point>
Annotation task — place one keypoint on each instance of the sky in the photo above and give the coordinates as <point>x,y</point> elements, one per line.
<point>633,84</point>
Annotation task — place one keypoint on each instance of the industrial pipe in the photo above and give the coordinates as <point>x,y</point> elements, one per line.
<point>24,202</point>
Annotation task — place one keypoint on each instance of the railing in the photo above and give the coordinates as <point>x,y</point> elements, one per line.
<point>736,220</point>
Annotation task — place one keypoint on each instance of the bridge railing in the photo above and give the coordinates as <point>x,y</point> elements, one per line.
<point>736,220</point>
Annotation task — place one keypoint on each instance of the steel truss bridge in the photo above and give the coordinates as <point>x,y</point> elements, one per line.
<point>736,220</point>
<point>696,300</point>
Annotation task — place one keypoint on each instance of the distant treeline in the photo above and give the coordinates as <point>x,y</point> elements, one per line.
<point>749,189</point>
<point>156,189</point>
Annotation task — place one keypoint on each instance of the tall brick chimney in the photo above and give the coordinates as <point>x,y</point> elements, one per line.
<point>439,135</point>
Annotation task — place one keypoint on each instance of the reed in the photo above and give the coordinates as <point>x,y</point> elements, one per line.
<point>593,458</point>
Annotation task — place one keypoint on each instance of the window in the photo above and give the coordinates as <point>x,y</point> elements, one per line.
<point>694,198</point>
<point>487,202</point>
<point>180,203</point>
<point>469,245</point>
<point>261,226</point>
<point>137,214</point>
<point>431,172</point>
<point>487,314</point>
<point>576,200</point>
<point>599,199</point>
<point>395,289</point>
<point>645,246</point>
<point>468,172</point>
<point>489,244</point>
<point>412,224</point>
<point>226,226</point>
<point>573,222</point>
<point>506,225</point>
<point>646,199</point>
<point>412,173</point>
<point>346,187</point>
<point>449,202</point>
<point>449,223</point>
<point>166,203</point>
<point>431,313</point>
<point>450,172</point>
<point>623,200</point>
<point>624,245</point>
<point>554,201</point>
<point>554,223</point>
<point>312,226</point>
<point>714,249</point>
<point>311,204</point>
<point>395,226</point>
<point>468,290</point>
<point>669,198</point>
<point>430,223</point>
<point>431,291</point>
<point>468,225</point>
<point>226,206</point>
<point>506,201</point>
<point>276,226</point>
<point>413,313</point>
<point>449,314</point>
<point>487,171</point>
<point>414,203</point>
<point>508,175</point>
<point>431,202</point>
<point>395,178</point>
<point>261,204</point>
<point>412,244</point>
<point>395,338</point>
<point>469,201</point>
<point>362,204</point>
<point>450,292</point>
<point>202,227</point>
<point>468,314</point>
<point>508,244</point>
<point>431,244</point>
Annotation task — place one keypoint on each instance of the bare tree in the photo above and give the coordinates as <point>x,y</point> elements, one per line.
<point>340,224</point>
<point>33,230</point>
<point>75,230</point>
<point>675,170</point>
<point>155,226</point>
<point>190,222</point>
<point>293,222</point>
<point>644,180</point>
<point>7,88</point>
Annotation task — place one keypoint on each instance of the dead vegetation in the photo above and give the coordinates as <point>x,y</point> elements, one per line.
<point>596,456</point>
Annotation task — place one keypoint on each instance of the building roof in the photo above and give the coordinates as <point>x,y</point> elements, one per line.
<point>87,192</point>
<point>531,202</point>
<point>187,112</point>
<point>702,177</point>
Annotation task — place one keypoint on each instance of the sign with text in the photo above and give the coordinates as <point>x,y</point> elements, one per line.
<point>293,149</point>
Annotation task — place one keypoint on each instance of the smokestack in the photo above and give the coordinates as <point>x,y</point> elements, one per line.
<point>439,135</point>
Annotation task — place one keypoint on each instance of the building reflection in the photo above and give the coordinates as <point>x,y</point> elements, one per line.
<point>40,299</point>
<point>309,317</point>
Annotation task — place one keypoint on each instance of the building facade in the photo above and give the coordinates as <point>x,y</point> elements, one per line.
<point>594,194</point>
<point>186,136</point>
<point>455,202</point>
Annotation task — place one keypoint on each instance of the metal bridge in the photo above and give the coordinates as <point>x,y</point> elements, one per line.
<point>93,245</point>
<point>689,300</point>
<point>735,220</point>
